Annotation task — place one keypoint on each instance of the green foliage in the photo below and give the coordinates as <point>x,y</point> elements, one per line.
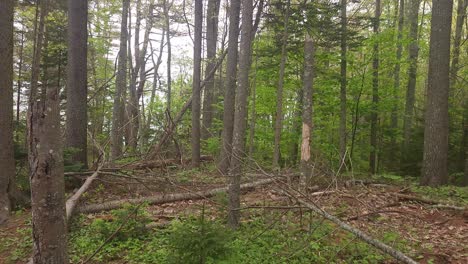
<point>454,194</point>
<point>68,164</point>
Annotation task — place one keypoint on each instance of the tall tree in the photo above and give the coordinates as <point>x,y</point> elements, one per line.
<point>412,71</point>
<point>230,89</point>
<point>166,6</point>
<point>435,159</point>
<point>279,91</point>
<point>77,90</point>
<point>212,14</point>
<point>7,162</point>
<point>47,181</point>
<point>396,78</point>
<point>343,80</point>
<point>308,81</point>
<point>240,115</point>
<point>120,86</point>
<point>375,92</point>
<point>196,84</point>
<point>461,16</point>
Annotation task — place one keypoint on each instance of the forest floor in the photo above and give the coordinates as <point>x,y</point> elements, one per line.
<point>428,224</point>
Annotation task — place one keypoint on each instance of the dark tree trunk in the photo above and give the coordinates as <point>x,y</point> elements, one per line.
<point>411,88</point>
<point>343,80</point>
<point>396,83</point>
<point>461,16</point>
<point>434,170</point>
<point>47,182</point>
<point>120,86</point>
<point>19,85</point>
<point>212,14</point>
<point>7,162</point>
<point>308,83</point>
<point>77,90</point>
<point>166,7</point>
<point>196,84</point>
<point>230,90</point>
<point>279,93</point>
<point>375,93</point>
<point>240,115</point>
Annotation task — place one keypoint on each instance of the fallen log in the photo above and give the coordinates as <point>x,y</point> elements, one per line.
<point>358,233</point>
<point>166,198</point>
<point>433,203</point>
<point>155,164</point>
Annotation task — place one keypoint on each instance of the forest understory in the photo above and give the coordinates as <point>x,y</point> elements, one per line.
<point>428,224</point>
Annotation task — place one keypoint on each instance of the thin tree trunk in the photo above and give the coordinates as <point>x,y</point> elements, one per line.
<point>279,93</point>
<point>240,116</point>
<point>436,126</point>
<point>196,84</point>
<point>41,11</point>
<point>212,14</point>
<point>396,82</point>
<point>411,88</point>
<point>253,115</point>
<point>343,80</point>
<point>7,162</point>
<point>308,83</point>
<point>375,93</point>
<point>77,91</point>
<point>230,89</point>
<point>47,181</point>
<point>19,85</point>
<point>166,7</point>
<point>121,83</point>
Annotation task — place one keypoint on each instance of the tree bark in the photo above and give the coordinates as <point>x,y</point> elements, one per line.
<point>279,92</point>
<point>343,80</point>
<point>120,86</point>
<point>47,181</point>
<point>309,53</point>
<point>461,16</point>
<point>411,88</point>
<point>230,89</point>
<point>435,159</point>
<point>212,14</point>
<point>77,90</point>
<point>240,115</point>
<point>196,84</point>
<point>7,162</point>
<point>166,7</point>
<point>375,93</point>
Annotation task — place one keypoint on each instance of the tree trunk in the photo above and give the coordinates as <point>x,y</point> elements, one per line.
<point>166,7</point>
<point>375,93</point>
<point>77,90</point>
<point>309,53</point>
<point>411,88</point>
<point>461,16</point>
<point>230,90</point>
<point>343,80</point>
<point>240,115</point>
<point>196,84</point>
<point>279,93</point>
<point>435,159</point>
<point>396,82</point>
<point>7,162</point>
<point>39,28</point>
<point>212,14</point>
<point>120,86</point>
<point>19,82</point>
<point>47,181</point>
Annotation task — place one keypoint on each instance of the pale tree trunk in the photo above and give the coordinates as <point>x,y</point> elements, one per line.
<point>279,93</point>
<point>230,89</point>
<point>435,158</point>
<point>39,28</point>
<point>120,86</point>
<point>343,80</point>
<point>411,88</point>
<point>196,84</point>
<point>375,93</point>
<point>212,14</point>
<point>308,83</point>
<point>240,115</point>
<point>396,82</point>
<point>166,7</point>
<point>47,181</point>
<point>7,162</point>
<point>77,90</point>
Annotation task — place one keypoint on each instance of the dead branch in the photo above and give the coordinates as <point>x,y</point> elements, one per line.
<point>154,164</point>
<point>358,233</point>
<point>166,198</point>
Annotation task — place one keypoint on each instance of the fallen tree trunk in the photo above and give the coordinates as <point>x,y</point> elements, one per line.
<point>166,198</point>
<point>72,201</point>
<point>358,233</point>
<point>155,164</point>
